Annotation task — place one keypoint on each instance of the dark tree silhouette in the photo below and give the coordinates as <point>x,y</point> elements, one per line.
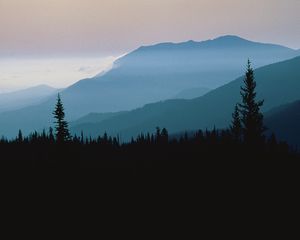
<point>157,150</point>
<point>62,131</point>
<point>20,136</point>
<point>252,118</point>
<point>164,135</point>
<point>236,125</point>
<point>51,136</point>
<point>157,135</point>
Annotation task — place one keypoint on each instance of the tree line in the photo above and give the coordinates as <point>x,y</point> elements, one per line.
<point>243,140</point>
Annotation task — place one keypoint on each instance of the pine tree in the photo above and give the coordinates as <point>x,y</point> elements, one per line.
<point>164,135</point>
<point>252,118</point>
<point>20,136</point>
<point>157,135</point>
<point>61,128</point>
<point>51,136</point>
<point>105,138</point>
<point>82,138</point>
<point>236,125</point>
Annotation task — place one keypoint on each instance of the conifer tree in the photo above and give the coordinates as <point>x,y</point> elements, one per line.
<point>61,128</point>
<point>157,135</point>
<point>252,118</point>
<point>236,126</point>
<point>51,136</point>
<point>105,138</point>
<point>82,138</point>
<point>20,136</point>
<point>164,135</point>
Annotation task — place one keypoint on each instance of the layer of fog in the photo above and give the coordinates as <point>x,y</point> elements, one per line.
<point>16,74</point>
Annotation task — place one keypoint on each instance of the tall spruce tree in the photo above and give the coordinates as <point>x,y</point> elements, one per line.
<point>236,125</point>
<point>251,116</point>
<point>61,128</point>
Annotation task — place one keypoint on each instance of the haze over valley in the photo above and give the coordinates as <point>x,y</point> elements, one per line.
<point>157,73</point>
<point>120,82</point>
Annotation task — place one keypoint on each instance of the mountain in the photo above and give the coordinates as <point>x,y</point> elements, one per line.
<point>159,72</point>
<point>284,121</point>
<point>23,98</point>
<point>94,118</point>
<point>150,74</point>
<point>277,84</point>
<point>192,93</point>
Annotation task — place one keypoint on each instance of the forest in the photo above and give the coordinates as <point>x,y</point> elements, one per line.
<point>244,141</point>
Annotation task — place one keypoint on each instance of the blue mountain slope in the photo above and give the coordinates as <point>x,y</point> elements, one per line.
<point>277,84</point>
<point>192,93</point>
<point>26,97</point>
<point>159,72</point>
<point>284,121</point>
<point>151,74</point>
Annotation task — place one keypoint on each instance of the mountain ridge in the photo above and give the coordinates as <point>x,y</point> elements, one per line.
<point>26,97</point>
<point>141,78</point>
<point>211,110</point>
<point>284,121</point>
<point>231,39</point>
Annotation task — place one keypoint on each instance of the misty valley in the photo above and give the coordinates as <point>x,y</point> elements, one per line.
<point>164,106</point>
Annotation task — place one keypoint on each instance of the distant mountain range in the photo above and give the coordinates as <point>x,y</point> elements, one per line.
<point>277,84</point>
<point>26,97</point>
<point>159,72</point>
<point>151,74</point>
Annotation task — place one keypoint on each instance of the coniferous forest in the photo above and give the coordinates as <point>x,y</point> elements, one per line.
<point>243,141</point>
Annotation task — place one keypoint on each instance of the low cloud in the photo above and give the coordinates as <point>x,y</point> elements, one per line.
<point>60,73</point>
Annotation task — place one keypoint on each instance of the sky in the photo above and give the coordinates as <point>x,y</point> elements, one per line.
<point>17,74</point>
<point>110,27</point>
<point>93,29</point>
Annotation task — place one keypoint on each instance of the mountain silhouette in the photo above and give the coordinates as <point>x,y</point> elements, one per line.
<point>284,121</point>
<point>150,74</point>
<point>26,97</point>
<point>277,84</point>
<point>161,71</point>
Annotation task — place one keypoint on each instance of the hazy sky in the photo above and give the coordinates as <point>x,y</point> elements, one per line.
<point>87,32</point>
<point>22,73</point>
<point>112,27</point>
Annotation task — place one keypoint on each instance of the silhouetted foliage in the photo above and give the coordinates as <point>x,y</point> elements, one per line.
<point>62,131</point>
<point>236,126</point>
<point>190,150</point>
<point>164,136</point>
<point>252,118</point>
<point>51,136</point>
<point>147,151</point>
<point>20,136</point>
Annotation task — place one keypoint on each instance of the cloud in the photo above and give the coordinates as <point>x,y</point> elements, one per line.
<point>60,73</point>
<point>84,69</point>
